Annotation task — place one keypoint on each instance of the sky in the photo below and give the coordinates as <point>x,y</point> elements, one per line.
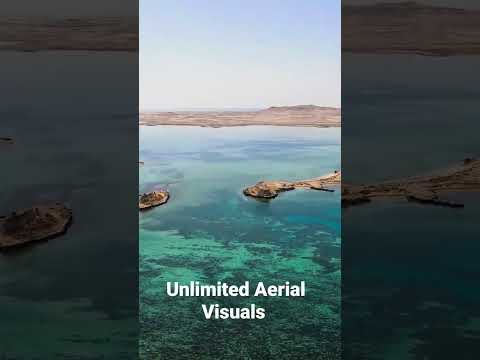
<point>225,54</point>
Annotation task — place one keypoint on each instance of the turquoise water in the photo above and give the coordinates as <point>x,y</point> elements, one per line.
<point>210,232</point>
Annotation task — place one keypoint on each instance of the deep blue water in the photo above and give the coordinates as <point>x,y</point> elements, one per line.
<point>410,272</point>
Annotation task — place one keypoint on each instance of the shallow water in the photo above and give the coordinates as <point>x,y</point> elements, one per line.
<point>210,232</point>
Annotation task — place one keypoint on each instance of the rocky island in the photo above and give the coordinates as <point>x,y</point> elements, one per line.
<point>422,189</point>
<point>300,115</point>
<point>271,189</point>
<point>33,225</point>
<point>6,140</point>
<point>152,199</point>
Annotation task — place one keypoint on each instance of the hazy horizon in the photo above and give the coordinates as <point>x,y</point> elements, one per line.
<point>202,55</point>
<point>207,109</point>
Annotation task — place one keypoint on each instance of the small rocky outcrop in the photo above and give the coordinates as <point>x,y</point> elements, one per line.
<point>6,140</point>
<point>35,224</point>
<point>152,199</point>
<point>268,189</point>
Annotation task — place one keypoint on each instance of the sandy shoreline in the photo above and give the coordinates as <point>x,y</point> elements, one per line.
<point>301,115</point>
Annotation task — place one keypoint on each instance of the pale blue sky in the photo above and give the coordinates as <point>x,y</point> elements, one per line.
<point>239,53</point>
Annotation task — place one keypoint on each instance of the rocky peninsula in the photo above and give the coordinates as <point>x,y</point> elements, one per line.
<point>271,189</point>
<point>300,115</point>
<point>33,225</point>
<point>152,199</point>
<point>422,189</point>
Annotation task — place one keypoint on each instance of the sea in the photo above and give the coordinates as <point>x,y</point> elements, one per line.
<point>75,128</point>
<point>209,232</point>
<point>409,271</point>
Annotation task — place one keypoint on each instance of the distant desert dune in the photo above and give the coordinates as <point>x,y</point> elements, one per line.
<point>300,115</point>
<point>408,27</point>
<point>90,34</point>
<point>403,27</point>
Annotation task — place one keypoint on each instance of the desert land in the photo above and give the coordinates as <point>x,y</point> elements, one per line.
<point>404,27</point>
<point>301,115</point>
<point>410,28</point>
<point>89,34</point>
